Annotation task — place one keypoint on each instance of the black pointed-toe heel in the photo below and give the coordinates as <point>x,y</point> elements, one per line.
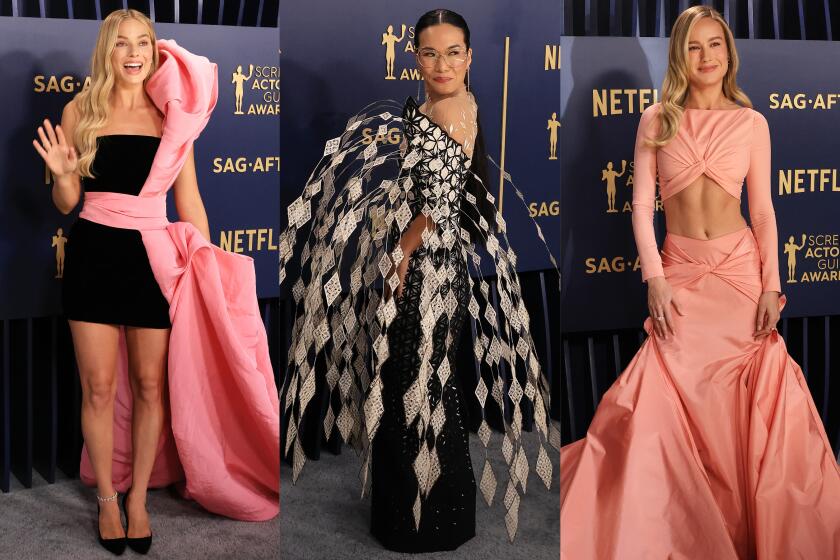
<point>140,545</point>
<point>114,546</point>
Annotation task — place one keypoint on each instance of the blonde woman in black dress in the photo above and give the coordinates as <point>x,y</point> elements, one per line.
<point>107,139</point>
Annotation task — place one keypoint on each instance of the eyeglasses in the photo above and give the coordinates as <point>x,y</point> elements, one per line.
<point>428,57</point>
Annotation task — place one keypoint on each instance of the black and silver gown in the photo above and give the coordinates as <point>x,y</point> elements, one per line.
<point>388,363</point>
<point>107,275</point>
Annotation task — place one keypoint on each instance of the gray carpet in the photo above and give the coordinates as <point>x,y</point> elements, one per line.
<point>57,522</point>
<point>322,517</point>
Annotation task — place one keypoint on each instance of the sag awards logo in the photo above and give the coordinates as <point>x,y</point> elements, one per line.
<point>619,199</point>
<point>799,101</point>
<point>242,164</point>
<point>403,43</point>
<point>59,84</point>
<point>815,258</point>
<point>263,86</point>
<point>553,127</point>
<point>59,241</point>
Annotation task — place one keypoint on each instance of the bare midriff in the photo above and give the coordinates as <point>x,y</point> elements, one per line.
<point>703,210</point>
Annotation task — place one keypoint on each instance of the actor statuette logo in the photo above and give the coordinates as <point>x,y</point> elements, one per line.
<point>553,128</point>
<point>620,200</point>
<point>609,175</point>
<point>813,258</point>
<point>59,241</point>
<point>395,44</point>
<point>256,92</point>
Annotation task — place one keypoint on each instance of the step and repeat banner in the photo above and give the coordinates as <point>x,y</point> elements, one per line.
<point>606,84</point>
<point>46,62</point>
<point>355,53</point>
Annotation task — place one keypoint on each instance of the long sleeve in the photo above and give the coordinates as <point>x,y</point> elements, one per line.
<point>762,215</point>
<point>644,195</point>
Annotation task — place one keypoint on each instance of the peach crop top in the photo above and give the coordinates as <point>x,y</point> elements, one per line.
<point>727,146</point>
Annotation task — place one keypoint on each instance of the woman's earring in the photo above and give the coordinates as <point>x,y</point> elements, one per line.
<point>468,79</point>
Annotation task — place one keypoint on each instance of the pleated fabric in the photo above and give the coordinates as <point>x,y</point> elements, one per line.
<point>708,446</point>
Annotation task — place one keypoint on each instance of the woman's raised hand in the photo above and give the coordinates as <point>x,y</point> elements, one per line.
<point>60,157</point>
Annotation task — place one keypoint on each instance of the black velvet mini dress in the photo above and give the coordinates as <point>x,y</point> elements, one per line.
<point>107,275</point>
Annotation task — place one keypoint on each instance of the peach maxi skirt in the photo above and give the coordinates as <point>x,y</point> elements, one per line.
<point>708,446</point>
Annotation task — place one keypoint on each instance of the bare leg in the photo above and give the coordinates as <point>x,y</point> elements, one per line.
<point>147,356</point>
<point>97,348</point>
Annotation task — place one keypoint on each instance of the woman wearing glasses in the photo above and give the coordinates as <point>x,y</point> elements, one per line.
<point>406,414</point>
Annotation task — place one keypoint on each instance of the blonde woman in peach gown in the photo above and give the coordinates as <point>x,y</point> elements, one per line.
<point>708,446</point>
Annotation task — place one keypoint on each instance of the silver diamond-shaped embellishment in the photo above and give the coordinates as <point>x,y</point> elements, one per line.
<point>298,460</point>
<point>490,315</point>
<point>488,483</point>
<point>510,495</point>
<point>522,468</point>
<point>515,391</point>
<point>544,467</point>
<point>403,216</point>
<point>444,371</point>
<point>411,402</point>
<point>512,519</point>
<point>484,432</point>
<point>329,421</point>
<point>393,282</point>
<point>473,307</point>
<point>481,392</point>
<point>345,424</point>
<point>332,289</point>
<point>411,159</point>
<point>332,146</point>
<point>438,419</point>
<point>397,255</point>
<point>370,151</point>
<point>507,449</point>
<point>322,335</point>
<point>384,265</point>
<point>354,188</point>
<point>421,467</point>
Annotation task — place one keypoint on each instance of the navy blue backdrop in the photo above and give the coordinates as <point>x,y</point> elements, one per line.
<point>46,61</point>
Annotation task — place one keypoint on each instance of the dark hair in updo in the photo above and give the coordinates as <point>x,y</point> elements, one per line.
<point>478,167</point>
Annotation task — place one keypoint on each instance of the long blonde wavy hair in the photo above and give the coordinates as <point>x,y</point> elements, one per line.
<point>92,102</point>
<point>675,85</point>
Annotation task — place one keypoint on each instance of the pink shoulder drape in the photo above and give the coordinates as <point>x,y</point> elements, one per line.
<point>221,432</point>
